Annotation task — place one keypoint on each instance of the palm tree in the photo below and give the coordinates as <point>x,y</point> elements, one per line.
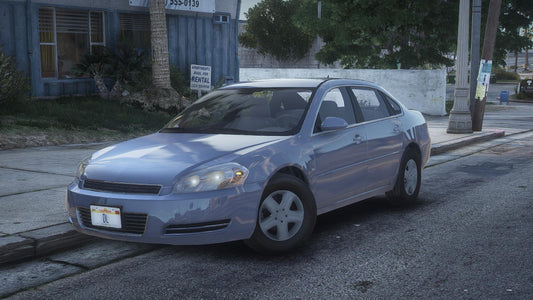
<point>166,96</point>
<point>158,27</point>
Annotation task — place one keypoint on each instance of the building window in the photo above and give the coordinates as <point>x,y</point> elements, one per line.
<point>65,36</point>
<point>135,30</point>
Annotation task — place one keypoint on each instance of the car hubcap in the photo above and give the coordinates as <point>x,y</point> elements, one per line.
<point>281,215</point>
<point>410,177</point>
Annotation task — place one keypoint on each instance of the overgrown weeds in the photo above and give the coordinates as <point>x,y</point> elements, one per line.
<point>14,86</point>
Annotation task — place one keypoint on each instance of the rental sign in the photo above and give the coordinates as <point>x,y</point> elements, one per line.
<point>200,78</point>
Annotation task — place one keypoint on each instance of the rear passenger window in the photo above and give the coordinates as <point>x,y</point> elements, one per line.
<point>395,108</point>
<point>372,106</point>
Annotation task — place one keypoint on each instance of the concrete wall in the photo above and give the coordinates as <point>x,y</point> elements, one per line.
<point>423,90</point>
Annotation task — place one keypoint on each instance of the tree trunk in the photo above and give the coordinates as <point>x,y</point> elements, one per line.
<point>103,92</point>
<point>491,29</point>
<point>163,96</point>
<point>158,28</point>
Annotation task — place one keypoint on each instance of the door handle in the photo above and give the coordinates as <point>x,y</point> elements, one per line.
<point>396,128</point>
<point>358,139</point>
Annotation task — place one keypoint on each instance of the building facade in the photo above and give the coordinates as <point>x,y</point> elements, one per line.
<point>47,38</point>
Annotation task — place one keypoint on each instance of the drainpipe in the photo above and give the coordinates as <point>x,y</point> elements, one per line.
<point>29,35</point>
<point>237,41</point>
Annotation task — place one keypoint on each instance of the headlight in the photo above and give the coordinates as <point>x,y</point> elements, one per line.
<point>81,167</point>
<point>212,178</point>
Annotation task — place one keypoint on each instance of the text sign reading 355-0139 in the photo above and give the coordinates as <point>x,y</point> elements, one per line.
<point>206,6</point>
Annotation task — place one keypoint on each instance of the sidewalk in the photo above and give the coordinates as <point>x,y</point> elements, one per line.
<point>33,219</point>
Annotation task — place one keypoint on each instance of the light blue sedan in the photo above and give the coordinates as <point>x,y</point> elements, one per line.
<point>253,161</point>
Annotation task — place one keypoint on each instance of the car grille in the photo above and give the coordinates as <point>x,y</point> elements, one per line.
<point>114,187</point>
<point>197,227</point>
<point>131,222</point>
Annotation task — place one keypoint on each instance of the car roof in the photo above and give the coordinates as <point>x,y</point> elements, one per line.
<point>292,82</point>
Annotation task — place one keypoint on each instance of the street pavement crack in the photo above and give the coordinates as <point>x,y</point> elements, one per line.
<point>66,263</point>
<point>35,171</point>
<point>33,191</point>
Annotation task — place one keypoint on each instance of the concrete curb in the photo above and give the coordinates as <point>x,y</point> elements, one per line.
<point>443,147</point>
<point>40,242</point>
<point>521,101</point>
<point>44,241</point>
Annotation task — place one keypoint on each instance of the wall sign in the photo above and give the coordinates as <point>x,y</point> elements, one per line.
<point>200,78</point>
<point>205,6</point>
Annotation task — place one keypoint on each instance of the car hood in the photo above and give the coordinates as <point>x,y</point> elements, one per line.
<point>160,157</point>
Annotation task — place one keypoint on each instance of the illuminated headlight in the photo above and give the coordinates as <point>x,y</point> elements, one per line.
<point>212,178</point>
<point>81,167</point>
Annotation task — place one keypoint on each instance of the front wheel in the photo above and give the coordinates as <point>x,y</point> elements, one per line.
<point>286,216</point>
<point>409,178</point>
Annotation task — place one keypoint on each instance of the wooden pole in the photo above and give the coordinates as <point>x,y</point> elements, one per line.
<point>486,64</point>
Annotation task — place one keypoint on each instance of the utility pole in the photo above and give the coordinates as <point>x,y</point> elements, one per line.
<point>460,119</point>
<point>485,67</point>
<point>474,50</point>
<point>318,38</point>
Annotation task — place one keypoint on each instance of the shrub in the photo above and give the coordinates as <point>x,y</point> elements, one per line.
<point>181,84</point>
<point>132,67</point>
<point>14,86</point>
<point>129,68</point>
<point>501,74</point>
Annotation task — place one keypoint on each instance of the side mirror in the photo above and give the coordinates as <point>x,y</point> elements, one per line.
<point>333,123</point>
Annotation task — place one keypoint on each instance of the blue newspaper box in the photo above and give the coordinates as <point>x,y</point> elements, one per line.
<point>504,97</point>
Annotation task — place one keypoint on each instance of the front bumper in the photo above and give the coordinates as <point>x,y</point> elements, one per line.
<point>176,219</point>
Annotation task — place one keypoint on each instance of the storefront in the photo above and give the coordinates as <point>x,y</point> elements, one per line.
<point>48,38</point>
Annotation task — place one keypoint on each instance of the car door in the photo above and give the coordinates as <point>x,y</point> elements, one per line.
<point>384,135</point>
<point>340,154</point>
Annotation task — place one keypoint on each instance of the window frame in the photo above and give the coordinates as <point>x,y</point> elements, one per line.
<point>347,99</point>
<point>53,43</point>
<point>91,43</point>
<point>388,101</point>
<point>54,34</point>
<point>380,99</point>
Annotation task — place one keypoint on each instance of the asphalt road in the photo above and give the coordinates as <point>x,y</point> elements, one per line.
<point>469,237</point>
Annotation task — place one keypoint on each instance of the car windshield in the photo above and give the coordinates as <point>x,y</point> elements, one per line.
<point>272,111</point>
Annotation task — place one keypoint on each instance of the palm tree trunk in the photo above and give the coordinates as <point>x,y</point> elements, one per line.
<point>158,27</point>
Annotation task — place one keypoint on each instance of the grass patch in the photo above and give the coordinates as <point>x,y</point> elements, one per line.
<point>80,113</point>
<point>73,120</point>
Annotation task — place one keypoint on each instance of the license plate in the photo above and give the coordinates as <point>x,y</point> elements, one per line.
<point>106,216</point>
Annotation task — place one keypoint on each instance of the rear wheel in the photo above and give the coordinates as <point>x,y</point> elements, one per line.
<point>286,216</point>
<point>408,182</point>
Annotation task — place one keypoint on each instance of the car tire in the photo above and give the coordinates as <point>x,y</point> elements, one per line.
<point>286,216</point>
<point>407,185</point>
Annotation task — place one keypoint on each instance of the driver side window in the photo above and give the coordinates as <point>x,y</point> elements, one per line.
<point>335,104</point>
